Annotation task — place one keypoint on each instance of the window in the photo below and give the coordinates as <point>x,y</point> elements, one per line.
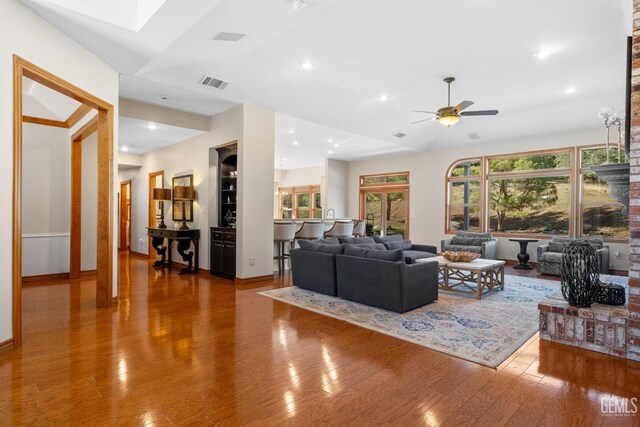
<point>600,214</point>
<point>530,194</point>
<point>533,194</point>
<point>384,204</point>
<point>299,202</point>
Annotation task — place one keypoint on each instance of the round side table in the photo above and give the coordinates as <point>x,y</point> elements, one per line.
<point>523,256</point>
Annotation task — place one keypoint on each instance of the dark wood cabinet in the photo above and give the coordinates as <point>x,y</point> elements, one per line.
<point>223,252</point>
<point>223,237</point>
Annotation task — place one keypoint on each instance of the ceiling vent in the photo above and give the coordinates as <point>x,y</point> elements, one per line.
<point>400,135</point>
<point>212,82</point>
<point>229,37</point>
<point>473,136</point>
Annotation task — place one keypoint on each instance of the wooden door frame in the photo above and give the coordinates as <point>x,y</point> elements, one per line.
<point>104,268</point>
<point>384,190</point>
<point>152,206</point>
<point>121,204</point>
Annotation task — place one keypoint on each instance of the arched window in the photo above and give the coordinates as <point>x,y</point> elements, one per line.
<point>464,195</point>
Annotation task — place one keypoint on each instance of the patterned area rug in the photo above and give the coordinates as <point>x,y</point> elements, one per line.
<point>486,331</point>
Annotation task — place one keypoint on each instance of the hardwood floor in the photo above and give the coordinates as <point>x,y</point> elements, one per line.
<point>194,350</point>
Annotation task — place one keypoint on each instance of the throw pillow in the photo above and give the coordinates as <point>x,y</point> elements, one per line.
<point>394,245</point>
<point>556,247</point>
<point>331,249</point>
<point>378,246</point>
<point>406,244</point>
<point>393,255</point>
<point>353,250</point>
<point>356,240</point>
<point>328,241</point>
<point>385,239</point>
<point>306,245</point>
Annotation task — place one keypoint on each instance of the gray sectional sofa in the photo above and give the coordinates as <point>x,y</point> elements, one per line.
<point>367,272</point>
<point>550,255</point>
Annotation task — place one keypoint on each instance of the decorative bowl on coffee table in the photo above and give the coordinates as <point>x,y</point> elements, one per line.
<point>460,256</point>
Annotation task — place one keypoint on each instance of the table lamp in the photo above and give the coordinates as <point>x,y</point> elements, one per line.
<point>162,194</point>
<point>184,194</point>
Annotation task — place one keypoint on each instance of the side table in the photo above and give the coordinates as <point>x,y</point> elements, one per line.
<point>523,256</point>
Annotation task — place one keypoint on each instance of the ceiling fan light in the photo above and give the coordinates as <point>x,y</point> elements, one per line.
<point>449,120</point>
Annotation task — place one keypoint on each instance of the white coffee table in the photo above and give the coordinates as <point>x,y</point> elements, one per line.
<point>477,277</point>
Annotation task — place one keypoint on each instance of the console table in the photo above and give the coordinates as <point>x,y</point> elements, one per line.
<point>184,239</point>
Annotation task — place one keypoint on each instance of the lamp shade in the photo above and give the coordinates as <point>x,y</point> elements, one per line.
<point>184,193</point>
<point>161,194</point>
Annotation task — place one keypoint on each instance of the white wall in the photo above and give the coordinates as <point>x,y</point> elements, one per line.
<point>336,196</point>
<point>25,34</point>
<point>427,193</point>
<point>89,209</point>
<point>312,175</point>
<point>45,200</point>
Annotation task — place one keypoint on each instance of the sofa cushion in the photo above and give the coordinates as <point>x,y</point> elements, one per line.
<point>463,248</point>
<point>406,244</point>
<point>314,246</point>
<point>556,246</point>
<point>353,250</point>
<point>469,241</point>
<point>385,239</point>
<point>394,245</point>
<point>357,251</point>
<point>410,256</point>
<point>473,234</point>
<point>356,240</point>
<point>328,241</point>
<point>555,257</point>
<point>378,246</point>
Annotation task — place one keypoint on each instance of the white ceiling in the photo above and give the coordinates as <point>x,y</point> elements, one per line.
<point>363,49</point>
<point>139,139</point>
<point>42,102</point>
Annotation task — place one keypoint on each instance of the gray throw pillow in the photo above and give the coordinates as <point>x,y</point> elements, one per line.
<point>394,245</point>
<point>328,241</point>
<point>353,250</point>
<point>556,247</point>
<point>378,246</point>
<point>306,245</point>
<point>393,255</point>
<point>314,246</point>
<point>406,244</point>
<point>356,240</point>
<point>385,239</point>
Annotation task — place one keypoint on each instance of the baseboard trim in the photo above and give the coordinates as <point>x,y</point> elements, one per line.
<point>4,345</point>
<point>45,277</point>
<point>619,272</point>
<point>138,255</point>
<point>248,280</point>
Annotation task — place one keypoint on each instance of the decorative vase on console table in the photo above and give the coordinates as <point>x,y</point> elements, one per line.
<point>580,274</point>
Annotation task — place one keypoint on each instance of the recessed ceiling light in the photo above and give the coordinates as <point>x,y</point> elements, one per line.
<point>545,53</point>
<point>570,90</point>
<point>291,131</point>
<point>330,152</point>
<point>298,4</point>
<point>383,97</point>
<point>152,126</point>
<point>284,160</point>
<point>330,140</point>
<point>306,65</point>
<point>296,143</point>
<point>337,145</point>
<point>124,148</point>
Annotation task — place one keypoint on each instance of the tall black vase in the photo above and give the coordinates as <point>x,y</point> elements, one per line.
<point>580,274</point>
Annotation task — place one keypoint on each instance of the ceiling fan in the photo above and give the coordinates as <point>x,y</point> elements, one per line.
<point>449,116</point>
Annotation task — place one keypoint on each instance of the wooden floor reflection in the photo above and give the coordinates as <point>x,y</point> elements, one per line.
<point>195,350</point>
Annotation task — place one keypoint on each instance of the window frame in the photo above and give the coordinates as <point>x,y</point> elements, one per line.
<point>574,172</point>
<point>387,187</point>
<point>312,190</point>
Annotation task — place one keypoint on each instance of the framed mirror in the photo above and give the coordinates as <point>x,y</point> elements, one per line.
<point>181,181</point>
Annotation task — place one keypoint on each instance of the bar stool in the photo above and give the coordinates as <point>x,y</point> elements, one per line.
<point>340,229</point>
<point>310,231</point>
<point>359,228</point>
<point>283,233</point>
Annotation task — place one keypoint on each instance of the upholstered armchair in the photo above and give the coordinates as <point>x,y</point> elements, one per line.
<point>469,241</point>
<point>550,255</point>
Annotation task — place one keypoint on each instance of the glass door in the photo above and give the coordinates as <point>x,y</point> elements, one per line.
<point>386,212</point>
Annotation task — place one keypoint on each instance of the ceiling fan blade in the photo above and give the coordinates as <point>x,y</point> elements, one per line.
<point>422,111</point>
<point>423,120</point>
<point>463,105</point>
<point>480,113</point>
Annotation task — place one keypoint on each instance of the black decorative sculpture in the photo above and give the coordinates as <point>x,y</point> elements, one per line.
<point>580,274</point>
<point>610,294</point>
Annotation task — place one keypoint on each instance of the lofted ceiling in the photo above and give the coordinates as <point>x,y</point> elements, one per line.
<point>141,136</point>
<point>44,103</point>
<point>359,50</point>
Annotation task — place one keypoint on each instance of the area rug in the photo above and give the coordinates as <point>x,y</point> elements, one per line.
<point>484,331</point>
